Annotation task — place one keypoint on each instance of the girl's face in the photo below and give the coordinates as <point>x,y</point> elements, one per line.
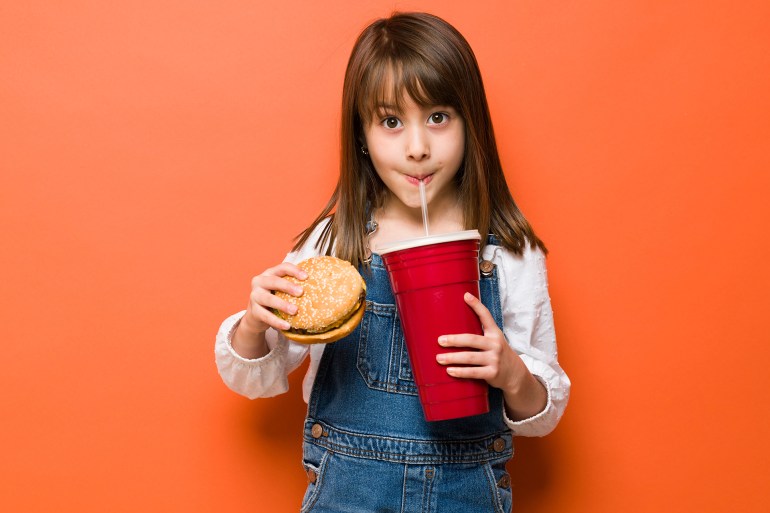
<point>413,144</point>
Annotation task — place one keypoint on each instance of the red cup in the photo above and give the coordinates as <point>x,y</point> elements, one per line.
<point>429,277</point>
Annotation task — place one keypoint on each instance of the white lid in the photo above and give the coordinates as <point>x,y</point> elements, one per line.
<point>430,239</point>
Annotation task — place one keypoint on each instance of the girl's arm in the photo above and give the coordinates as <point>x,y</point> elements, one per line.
<point>247,341</point>
<point>266,376</point>
<point>528,325</point>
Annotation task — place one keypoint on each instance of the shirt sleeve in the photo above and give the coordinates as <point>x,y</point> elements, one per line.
<point>260,377</point>
<point>266,376</point>
<point>529,328</point>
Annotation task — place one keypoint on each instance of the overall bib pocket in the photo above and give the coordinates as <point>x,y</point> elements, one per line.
<point>387,371</point>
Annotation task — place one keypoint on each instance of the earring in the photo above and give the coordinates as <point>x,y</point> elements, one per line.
<point>364,150</point>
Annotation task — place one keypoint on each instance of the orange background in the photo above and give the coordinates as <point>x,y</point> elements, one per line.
<point>156,155</point>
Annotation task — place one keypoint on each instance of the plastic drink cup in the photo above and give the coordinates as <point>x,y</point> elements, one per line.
<point>429,277</point>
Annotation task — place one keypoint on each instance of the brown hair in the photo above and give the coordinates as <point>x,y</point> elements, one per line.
<point>424,57</point>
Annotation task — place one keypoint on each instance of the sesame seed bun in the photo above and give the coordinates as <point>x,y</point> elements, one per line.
<point>332,303</point>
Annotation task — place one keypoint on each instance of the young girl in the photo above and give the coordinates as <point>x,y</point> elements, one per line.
<point>413,109</point>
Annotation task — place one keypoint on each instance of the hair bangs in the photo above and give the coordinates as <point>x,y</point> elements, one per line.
<point>387,84</point>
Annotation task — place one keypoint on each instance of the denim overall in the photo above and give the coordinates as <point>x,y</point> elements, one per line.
<point>367,446</point>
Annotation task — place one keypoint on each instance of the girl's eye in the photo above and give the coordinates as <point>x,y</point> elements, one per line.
<point>438,118</point>
<point>391,122</point>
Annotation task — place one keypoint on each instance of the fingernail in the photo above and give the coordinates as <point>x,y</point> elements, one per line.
<point>440,358</point>
<point>303,275</point>
<point>285,325</point>
<point>442,340</point>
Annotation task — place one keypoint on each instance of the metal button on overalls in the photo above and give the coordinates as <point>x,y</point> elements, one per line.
<point>498,445</point>
<point>486,267</point>
<point>317,431</point>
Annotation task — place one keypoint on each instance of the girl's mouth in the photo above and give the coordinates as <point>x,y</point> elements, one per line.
<point>416,181</point>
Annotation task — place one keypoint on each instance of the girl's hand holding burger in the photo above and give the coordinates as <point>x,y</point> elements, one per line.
<point>249,337</point>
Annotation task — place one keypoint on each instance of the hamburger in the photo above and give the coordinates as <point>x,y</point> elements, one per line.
<point>332,304</point>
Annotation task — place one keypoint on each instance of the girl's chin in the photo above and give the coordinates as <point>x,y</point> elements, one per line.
<point>409,202</point>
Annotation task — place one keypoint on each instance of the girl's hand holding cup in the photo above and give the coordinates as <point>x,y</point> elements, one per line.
<point>492,359</point>
<point>489,357</point>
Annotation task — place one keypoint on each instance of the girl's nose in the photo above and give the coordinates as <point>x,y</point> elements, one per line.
<point>418,147</point>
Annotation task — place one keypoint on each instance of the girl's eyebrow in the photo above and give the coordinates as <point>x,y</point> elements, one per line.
<point>385,106</point>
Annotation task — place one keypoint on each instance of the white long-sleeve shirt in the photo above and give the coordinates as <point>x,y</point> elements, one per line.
<point>527,324</point>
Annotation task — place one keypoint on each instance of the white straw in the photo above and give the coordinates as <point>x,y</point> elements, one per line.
<point>424,207</point>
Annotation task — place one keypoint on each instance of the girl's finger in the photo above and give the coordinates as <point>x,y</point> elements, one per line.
<point>271,301</point>
<point>476,358</point>
<point>463,340</point>
<point>272,320</point>
<point>270,283</point>
<point>487,321</point>
<point>483,373</point>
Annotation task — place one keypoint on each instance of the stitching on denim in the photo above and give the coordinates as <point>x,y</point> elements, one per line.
<point>479,454</point>
<point>323,367</point>
<point>427,489</point>
<point>401,458</point>
<point>487,287</point>
<point>492,281</point>
<point>403,489</point>
<point>320,477</point>
<point>497,502</point>
<point>502,494</point>
<point>479,439</point>
<point>404,365</point>
<point>392,373</point>
<point>392,383</point>
<point>362,341</point>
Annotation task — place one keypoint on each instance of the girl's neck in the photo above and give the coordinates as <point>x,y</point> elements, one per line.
<point>396,221</point>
